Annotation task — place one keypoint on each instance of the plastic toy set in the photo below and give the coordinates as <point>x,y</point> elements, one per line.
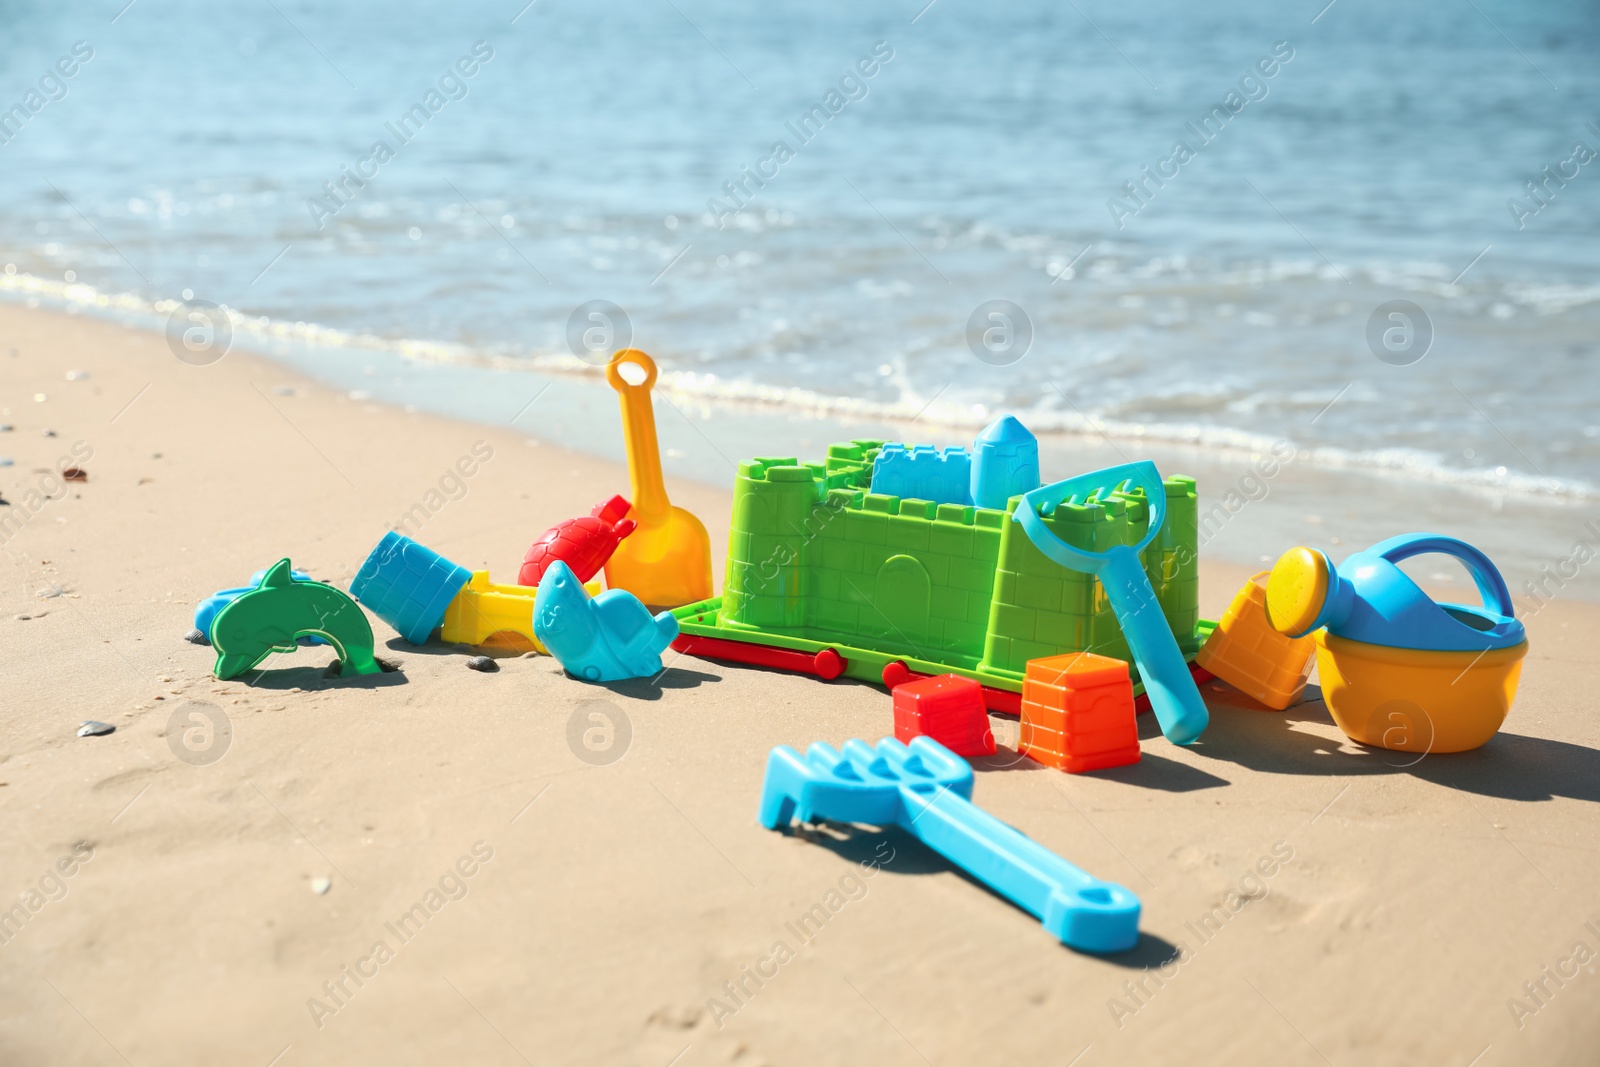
<point>1397,669</point>
<point>956,579</point>
<point>651,552</point>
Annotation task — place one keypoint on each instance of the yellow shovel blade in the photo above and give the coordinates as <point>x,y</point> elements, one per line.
<point>666,562</point>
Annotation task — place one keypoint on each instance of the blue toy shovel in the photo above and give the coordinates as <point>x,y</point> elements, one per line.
<point>1173,695</point>
<point>926,790</point>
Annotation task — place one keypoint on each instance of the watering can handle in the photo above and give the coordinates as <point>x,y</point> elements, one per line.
<point>639,431</point>
<point>1491,586</point>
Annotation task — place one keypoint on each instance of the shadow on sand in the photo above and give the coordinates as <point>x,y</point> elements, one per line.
<point>1510,766</point>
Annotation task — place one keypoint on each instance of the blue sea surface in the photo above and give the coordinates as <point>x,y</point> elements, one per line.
<point>912,161</point>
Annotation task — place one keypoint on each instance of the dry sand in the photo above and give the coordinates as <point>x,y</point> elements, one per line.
<point>607,906</point>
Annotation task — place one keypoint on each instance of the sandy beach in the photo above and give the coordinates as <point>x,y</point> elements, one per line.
<point>1305,900</point>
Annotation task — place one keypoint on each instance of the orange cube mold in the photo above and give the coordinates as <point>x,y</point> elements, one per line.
<point>1249,654</point>
<point>1078,714</point>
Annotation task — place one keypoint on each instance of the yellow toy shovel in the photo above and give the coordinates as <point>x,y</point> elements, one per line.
<point>666,562</point>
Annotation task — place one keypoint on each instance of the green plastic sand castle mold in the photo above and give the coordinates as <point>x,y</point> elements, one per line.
<point>269,617</point>
<point>817,561</point>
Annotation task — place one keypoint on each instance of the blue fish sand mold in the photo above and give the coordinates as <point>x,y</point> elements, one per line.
<point>609,638</point>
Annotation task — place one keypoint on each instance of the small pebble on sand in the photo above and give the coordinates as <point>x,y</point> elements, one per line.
<point>94,728</point>
<point>6,461</point>
<point>75,474</point>
<point>77,375</point>
<point>482,663</point>
<point>48,433</point>
<point>319,886</point>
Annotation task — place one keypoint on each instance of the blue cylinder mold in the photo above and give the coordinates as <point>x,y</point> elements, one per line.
<point>408,586</point>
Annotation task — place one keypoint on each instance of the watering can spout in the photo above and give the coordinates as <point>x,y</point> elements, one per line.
<point>1368,598</point>
<point>1306,592</point>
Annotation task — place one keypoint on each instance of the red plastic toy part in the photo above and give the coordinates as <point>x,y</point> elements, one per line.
<point>584,544</point>
<point>896,673</point>
<point>949,709</point>
<point>826,664</point>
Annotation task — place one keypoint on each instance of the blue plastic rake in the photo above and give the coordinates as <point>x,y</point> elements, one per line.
<point>926,790</point>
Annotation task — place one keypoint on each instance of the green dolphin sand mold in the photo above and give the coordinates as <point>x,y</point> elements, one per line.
<point>269,618</point>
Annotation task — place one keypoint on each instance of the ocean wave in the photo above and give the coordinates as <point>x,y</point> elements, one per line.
<point>1553,298</point>
<point>1399,463</point>
<point>706,390</point>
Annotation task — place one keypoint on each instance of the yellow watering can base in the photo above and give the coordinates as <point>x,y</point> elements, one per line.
<point>666,561</point>
<point>1413,700</point>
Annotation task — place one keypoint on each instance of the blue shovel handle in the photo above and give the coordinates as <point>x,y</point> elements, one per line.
<point>1173,695</point>
<point>1079,909</point>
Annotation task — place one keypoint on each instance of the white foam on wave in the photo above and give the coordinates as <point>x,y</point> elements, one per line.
<point>129,305</point>
<point>1553,298</point>
<point>1404,464</point>
<point>707,390</point>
